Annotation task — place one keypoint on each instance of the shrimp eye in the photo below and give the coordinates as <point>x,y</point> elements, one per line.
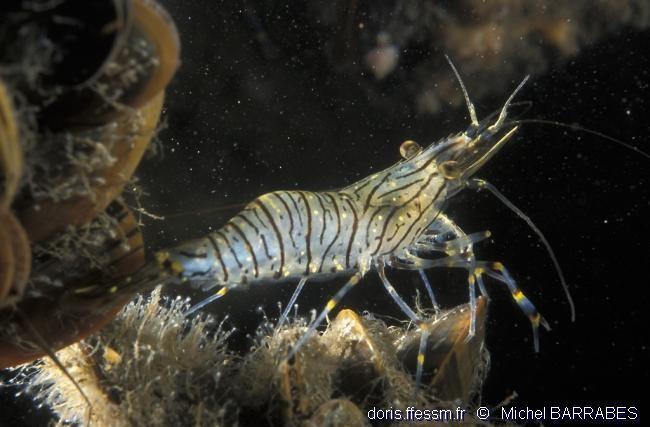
<point>449,169</point>
<point>409,149</point>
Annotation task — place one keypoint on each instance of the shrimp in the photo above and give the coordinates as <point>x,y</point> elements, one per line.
<point>394,218</point>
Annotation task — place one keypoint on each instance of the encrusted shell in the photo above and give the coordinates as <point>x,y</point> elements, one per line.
<point>59,313</point>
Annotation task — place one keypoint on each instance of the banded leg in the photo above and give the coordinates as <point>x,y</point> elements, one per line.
<point>447,237</point>
<point>380,264</point>
<point>463,244</point>
<point>499,272</point>
<point>429,289</point>
<point>478,185</point>
<point>221,292</point>
<point>495,270</point>
<point>412,262</point>
<point>321,316</point>
<point>481,286</point>
<point>292,301</point>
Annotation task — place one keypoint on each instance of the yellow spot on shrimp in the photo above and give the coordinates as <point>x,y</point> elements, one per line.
<point>518,295</point>
<point>330,305</point>
<point>420,358</point>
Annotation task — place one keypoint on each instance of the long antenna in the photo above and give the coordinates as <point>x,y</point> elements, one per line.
<point>504,111</point>
<point>576,127</point>
<point>470,106</point>
<point>480,184</point>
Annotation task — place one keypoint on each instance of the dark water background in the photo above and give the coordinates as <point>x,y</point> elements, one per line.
<point>240,124</point>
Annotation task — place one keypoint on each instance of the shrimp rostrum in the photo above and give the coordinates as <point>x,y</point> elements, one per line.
<point>393,218</point>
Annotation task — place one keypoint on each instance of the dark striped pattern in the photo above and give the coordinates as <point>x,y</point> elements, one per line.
<point>292,234</point>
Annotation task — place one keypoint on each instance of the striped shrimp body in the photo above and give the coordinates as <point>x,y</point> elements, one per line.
<point>393,218</point>
<point>287,235</point>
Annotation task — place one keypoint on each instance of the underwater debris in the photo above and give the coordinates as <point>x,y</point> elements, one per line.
<point>382,59</point>
<point>81,93</point>
<point>74,185</point>
<point>150,366</point>
<point>393,49</point>
<point>83,65</point>
<point>154,366</point>
<point>337,412</point>
<point>57,302</point>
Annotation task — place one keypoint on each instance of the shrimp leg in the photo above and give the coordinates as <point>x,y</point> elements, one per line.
<point>380,264</point>
<point>291,302</point>
<point>321,316</point>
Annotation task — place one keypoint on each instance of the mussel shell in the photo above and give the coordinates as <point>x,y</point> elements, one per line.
<point>141,62</point>
<point>6,263</point>
<point>15,258</point>
<point>61,28</point>
<point>11,162</point>
<point>14,247</point>
<point>42,219</point>
<point>60,314</point>
<point>360,360</point>
<point>153,24</point>
<point>451,360</point>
